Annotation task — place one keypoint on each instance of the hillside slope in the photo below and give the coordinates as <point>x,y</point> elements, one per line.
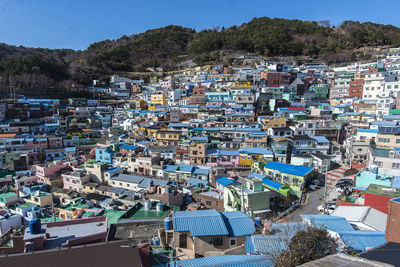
<point>54,71</point>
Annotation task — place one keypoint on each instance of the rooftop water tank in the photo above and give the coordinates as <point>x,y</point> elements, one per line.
<point>156,241</point>
<point>257,221</point>
<point>35,226</point>
<point>160,207</point>
<point>168,223</point>
<point>35,208</point>
<point>147,205</point>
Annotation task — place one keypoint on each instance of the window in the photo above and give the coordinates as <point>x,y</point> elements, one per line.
<point>397,141</point>
<point>218,241</point>
<point>395,165</point>
<point>233,242</point>
<point>378,163</point>
<point>208,203</point>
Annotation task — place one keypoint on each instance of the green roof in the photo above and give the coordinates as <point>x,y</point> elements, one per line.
<point>379,152</point>
<point>383,191</point>
<point>25,205</point>
<point>50,219</point>
<point>88,214</point>
<point>112,215</point>
<point>6,195</point>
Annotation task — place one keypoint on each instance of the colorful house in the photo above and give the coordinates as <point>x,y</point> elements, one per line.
<point>291,175</point>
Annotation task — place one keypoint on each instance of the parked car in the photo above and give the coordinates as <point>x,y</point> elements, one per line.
<point>313,185</point>
<point>329,208</point>
<point>342,184</point>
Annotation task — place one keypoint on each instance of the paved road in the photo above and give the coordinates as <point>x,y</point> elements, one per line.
<point>309,206</point>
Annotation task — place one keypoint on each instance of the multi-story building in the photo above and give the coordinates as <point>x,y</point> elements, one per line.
<point>374,85</point>
<point>356,88</point>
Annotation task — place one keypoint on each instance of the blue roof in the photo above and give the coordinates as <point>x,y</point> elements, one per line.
<point>225,181</point>
<point>361,240</point>
<point>288,168</point>
<point>238,223</point>
<point>146,182</point>
<point>276,242</point>
<point>172,124</point>
<point>396,182</point>
<point>113,170</point>
<point>228,153</point>
<point>227,261</point>
<point>257,175</point>
<point>180,167</point>
<point>200,222</point>
<point>202,170</point>
<point>321,139</point>
<point>199,138</point>
<point>251,150</point>
<point>128,147</point>
<point>368,130</point>
<point>332,223</point>
<point>272,184</point>
<point>385,123</point>
<point>194,181</point>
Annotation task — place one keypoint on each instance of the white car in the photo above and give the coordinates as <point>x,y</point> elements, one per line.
<point>329,208</point>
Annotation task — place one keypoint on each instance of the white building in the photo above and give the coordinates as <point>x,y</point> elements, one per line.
<point>374,85</point>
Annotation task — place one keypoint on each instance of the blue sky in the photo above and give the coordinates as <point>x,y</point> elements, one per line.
<point>77,23</point>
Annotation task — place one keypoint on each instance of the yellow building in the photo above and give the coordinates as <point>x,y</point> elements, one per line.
<point>168,138</point>
<point>273,123</point>
<point>88,188</point>
<point>359,76</point>
<point>241,85</point>
<point>158,99</point>
<point>39,198</point>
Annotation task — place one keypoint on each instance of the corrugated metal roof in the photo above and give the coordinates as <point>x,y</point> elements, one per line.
<point>228,153</point>
<point>238,223</point>
<point>226,260</point>
<point>224,181</point>
<point>329,222</point>
<point>288,168</point>
<point>255,151</point>
<point>200,223</point>
<point>272,184</point>
<point>276,242</point>
<point>361,240</point>
<point>257,175</point>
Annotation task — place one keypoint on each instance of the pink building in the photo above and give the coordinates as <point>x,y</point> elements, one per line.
<point>75,180</point>
<point>53,169</point>
<point>33,143</point>
<point>24,181</point>
<point>226,158</point>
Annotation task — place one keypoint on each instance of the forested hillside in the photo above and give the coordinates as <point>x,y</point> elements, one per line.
<point>57,70</point>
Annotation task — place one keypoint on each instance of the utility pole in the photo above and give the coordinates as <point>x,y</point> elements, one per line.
<point>325,185</point>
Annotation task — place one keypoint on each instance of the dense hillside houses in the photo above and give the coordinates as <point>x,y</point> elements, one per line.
<point>212,162</point>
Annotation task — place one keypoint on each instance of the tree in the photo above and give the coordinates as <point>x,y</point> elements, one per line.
<point>307,245</point>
